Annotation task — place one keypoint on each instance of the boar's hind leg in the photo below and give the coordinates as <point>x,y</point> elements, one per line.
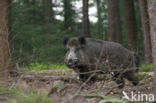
<point>131,76</point>
<point>119,80</point>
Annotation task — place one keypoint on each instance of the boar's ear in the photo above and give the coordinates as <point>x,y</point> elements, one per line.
<point>65,40</point>
<point>82,40</point>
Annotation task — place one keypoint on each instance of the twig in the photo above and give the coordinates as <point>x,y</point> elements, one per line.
<point>77,92</point>
<point>47,78</point>
<point>116,100</point>
<point>111,89</point>
<point>16,83</point>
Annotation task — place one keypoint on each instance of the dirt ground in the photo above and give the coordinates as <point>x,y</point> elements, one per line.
<point>74,91</point>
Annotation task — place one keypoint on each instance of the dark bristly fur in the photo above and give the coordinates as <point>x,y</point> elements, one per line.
<point>101,55</point>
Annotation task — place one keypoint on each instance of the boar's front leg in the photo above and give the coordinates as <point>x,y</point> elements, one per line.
<point>85,74</point>
<point>118,78</point>
<point>84,77</point>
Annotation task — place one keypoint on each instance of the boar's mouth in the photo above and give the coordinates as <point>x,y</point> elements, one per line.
<point>71,66</point>
<point>76,66</point>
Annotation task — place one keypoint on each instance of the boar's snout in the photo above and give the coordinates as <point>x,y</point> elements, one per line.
<point>72,63</point>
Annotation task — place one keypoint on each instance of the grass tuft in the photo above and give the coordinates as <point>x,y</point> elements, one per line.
<point>30,97</point>
<point>146,68</point>
<point>42,66</point>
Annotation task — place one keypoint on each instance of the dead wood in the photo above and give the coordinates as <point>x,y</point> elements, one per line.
<point>33,77</point>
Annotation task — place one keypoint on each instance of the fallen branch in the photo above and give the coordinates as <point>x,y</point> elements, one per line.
<point>77,92</point>
<point>67,78</point>
<point>108,99</point>
<point>48,78</point>
<point>111,89</point>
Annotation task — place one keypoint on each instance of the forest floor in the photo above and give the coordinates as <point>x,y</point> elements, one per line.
<point>63,87</point>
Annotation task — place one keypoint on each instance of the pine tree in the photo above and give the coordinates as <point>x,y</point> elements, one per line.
<point>152,20</point>
<point>131,28</point>
<point>5,36</point>
<point>146,31</point>
<point>86,28</point>
<point>114,23</point>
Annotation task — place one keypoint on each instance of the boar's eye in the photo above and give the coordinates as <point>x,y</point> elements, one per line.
<point>77,49</point>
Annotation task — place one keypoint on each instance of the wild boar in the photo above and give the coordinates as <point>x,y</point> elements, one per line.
<point>87,54</point>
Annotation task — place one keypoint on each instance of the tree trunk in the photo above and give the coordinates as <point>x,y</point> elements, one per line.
<point>114,26</point>
<point>68,14</point>
<point>4,36</point>
<point>48,18</point>
<point>98,2</point>
<point>86,29</point>
<point>33,19</point>
<point>146,31</point>
<point>131,27</point>
<point>152,20</point>
<point>48,11</point>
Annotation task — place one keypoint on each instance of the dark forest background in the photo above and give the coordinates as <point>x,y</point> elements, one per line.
<point>31,33</point>
<point>37,33</point>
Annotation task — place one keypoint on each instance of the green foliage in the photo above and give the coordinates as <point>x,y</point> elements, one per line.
<point>41,66</point>
<point>35,40</point>
<point>30,97</point>
<point>69,14</point>
<point>146,68</point>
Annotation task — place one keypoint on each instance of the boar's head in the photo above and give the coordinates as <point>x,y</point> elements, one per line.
<point>75,55</point>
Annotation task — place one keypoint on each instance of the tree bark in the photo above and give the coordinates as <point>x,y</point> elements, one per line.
<point>48,11</point>
<point>146,31</point>
<point>5,55</point>
<point>98,2</point>
<point>68,14</point>
<point>86,29</point>
<point>152,20</point>
<point>114,23</point>
<point>131,27</point>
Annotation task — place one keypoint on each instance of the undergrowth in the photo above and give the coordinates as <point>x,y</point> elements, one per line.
<point>42,66</point>
<point>29,97</point>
